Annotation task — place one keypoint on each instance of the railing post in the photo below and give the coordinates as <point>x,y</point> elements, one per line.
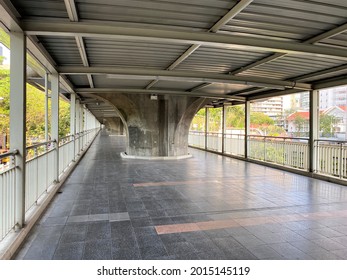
<point>314,128</point>
<point>18,119</point>
<point>55,122</point>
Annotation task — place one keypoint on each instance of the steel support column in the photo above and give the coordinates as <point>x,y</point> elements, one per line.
<point>78,127</point>
<point>18,118</point>
<point>314,128</point>
<point>206,125</point>
<point>73,121</point>
<point>55,121</point>
<point>46,108</point>
<point>223,129</point>
<point>247,125</point>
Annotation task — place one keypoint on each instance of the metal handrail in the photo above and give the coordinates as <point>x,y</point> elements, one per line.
<point>40,144</point>
<point>331,141</point>
<point>8,154</point>
<point>278,137</point>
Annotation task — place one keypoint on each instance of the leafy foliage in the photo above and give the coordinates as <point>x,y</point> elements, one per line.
<point>35,118</point>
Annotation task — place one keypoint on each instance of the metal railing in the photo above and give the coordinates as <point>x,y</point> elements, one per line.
<point>41,171</point>
<point>286,151</point>
<point>39,174</point>
<point>197,139</point>
<point>330,155</point>
<point>234,144</point>
<point>214,141</point>
<point>7,193</point>
<point>331,158</point>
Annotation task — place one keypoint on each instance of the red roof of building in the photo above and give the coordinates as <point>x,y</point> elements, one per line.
<point>342,107</point>
<point>305,115</point>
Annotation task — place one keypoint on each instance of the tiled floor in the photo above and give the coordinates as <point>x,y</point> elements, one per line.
<point>206,207</point>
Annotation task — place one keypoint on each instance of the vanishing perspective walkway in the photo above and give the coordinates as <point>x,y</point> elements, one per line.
<point>205,207</point>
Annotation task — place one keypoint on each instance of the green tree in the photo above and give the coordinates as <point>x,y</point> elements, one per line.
<point>235,116</point>
<point>35,118</point>
<point>326,125</point>
<point>299,122</point>
<point>258,118</point>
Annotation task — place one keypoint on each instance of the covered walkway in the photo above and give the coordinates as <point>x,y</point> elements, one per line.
<point>205,207</point>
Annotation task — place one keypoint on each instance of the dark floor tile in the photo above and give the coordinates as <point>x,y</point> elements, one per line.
<point>98,231</point>
<point>74,233</point>
<point>98,250</point>
<point>69,251</point>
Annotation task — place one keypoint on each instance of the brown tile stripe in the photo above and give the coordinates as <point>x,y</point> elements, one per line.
<point>238,222</point>
<point>167,183</point>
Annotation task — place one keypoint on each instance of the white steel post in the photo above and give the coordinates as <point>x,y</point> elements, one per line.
<point>314,128</point>
<point>18,118</point>
<point>46,107</point>
<point>247,126</point>
<point>78,127</point>
<point>55,121</point>
<point>73,121</point>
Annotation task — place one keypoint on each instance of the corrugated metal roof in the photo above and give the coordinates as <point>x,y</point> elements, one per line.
<point>131,53</point>
<point>286,21</point>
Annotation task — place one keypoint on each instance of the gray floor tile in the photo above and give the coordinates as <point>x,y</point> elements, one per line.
<point>102,215</point>
<point>69,251</point>
<point>98,250</point>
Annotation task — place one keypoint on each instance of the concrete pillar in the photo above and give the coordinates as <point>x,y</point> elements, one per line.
<point>18,118</point>
<point>314,128</point>
<point>55,121</point>
<point>247,125</point>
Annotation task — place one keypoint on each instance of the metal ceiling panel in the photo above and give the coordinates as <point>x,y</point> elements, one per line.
<point>188,14</point>
<point>290,66</point>
<point>62,49</point>
<point>131,53</point>
<point>219,60</point>
<point>79,81</point>
<point>217,88</point>
<point>288,19</point>
<point>104,82</point>
<point>175,86</point>
<point>41,8</point>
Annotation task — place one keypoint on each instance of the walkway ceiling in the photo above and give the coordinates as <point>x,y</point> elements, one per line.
<point>223,49</point>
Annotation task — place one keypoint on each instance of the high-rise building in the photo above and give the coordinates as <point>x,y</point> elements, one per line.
<point>336,96</point>
<point>272,107</point>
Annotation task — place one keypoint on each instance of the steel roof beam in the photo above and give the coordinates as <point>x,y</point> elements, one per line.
<point>193,76</point>
<point>231,14</point>
<point>312,40</point>
<point>158,92</point>
<point>87,29</point>
<point>73,16</point>
<point>341,68</point>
